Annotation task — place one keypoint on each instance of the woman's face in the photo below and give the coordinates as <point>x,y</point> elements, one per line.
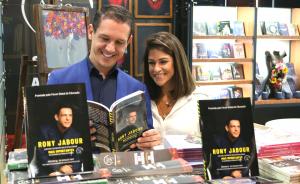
<point>161,68</point>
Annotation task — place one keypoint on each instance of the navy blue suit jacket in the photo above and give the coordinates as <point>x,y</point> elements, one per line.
<point>78,73</point>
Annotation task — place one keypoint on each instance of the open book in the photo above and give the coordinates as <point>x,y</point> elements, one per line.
<point>120,125</point>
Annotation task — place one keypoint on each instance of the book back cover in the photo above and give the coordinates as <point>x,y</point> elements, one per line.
<point>57,130</point>
<point>228,138</point>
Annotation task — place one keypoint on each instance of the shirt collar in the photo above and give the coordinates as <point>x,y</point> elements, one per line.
<point>92,68</point>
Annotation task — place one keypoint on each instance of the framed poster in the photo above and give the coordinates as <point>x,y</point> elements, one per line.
<point>82,3</point>
<point>125,3</point>
<point>126,62</point>
<point>142,31</point>
<point>153,8</point>
<point>61,35</point>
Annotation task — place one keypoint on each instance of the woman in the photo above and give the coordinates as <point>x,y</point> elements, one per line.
<point>170,84</point>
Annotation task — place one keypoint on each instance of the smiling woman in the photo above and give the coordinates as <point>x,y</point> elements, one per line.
<point>170,85</point>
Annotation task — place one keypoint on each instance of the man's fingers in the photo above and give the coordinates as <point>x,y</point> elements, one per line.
<point>92,130</point>
<point>147,145</point>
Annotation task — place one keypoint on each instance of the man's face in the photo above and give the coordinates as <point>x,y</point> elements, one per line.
<point>233,129</point>
<point>108,43</point>
<point>65,117</point>
<point>131,118</point>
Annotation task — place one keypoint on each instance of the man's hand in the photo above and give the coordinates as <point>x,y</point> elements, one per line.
<point>66,169</point>
<point>148,140</point>
<point>236,173</point>
<point>92,130</point>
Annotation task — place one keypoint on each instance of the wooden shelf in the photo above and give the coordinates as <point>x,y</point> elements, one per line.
<point>277,101</point>
<point>278,37</point>
<point>224,37</point>
<point>224,60</point>
<point>223,82</point>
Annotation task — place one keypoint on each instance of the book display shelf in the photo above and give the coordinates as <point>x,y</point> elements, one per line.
<point>223,51</point>
<point>278,30</point>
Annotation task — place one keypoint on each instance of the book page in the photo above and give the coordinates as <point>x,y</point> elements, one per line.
<point>99,118</point>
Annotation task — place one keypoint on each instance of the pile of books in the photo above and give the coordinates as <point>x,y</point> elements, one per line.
<point>272,142</point>
<point>279,153</point>
<point>284,168</point>
<point>189,148</point>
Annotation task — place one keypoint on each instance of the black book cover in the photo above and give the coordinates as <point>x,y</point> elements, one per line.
<point>223,28</point>
<point>120,125</point>
<point>228,138</point>
<point>237,71</point>
<point>57,130</point>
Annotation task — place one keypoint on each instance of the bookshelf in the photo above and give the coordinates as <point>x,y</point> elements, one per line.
<point>289,43</point>
<point>206,44</point>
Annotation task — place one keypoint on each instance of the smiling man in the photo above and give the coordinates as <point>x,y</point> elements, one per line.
<point>110,35</point>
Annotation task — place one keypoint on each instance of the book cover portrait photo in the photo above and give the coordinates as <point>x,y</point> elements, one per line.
<point>228,138</point>
<point>57,130</point>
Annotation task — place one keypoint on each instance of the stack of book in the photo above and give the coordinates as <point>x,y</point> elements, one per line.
<point>272,142</point>
<point>17,160</point>
<point>189,148</point>
<point>284,168</point>
<point>279,153</point>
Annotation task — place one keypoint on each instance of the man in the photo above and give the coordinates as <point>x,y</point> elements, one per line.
<point>132,127</point>
<point>234,145</point>
<point>110,34</point>
<point>131,118</point>
<point>59,132</point>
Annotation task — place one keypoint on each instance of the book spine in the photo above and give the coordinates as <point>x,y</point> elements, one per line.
<point>112,131</point>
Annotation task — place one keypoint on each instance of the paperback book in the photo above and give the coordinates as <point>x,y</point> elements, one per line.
<point>212,28</point>
<point>132,158</point>
<point>235,92</point>
<point>293,29</point>
<point>237,71</point>
<point>199,29</point>
<point>182,179</point>
<point>57,130</point>
<point>169,167</point>
<point>226,71</point>
<point>283,29</point>
<point>271,28</point>
<point>223,28</point>
<point>120,125</point>
<point>226,50</point>
<point>238,50</point>
<point>228,138</point>
<point>238,28</point>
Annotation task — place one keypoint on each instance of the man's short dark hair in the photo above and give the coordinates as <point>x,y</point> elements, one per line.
<point>229,120</point>
<point>116,13</point>
<point>60,106</point>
